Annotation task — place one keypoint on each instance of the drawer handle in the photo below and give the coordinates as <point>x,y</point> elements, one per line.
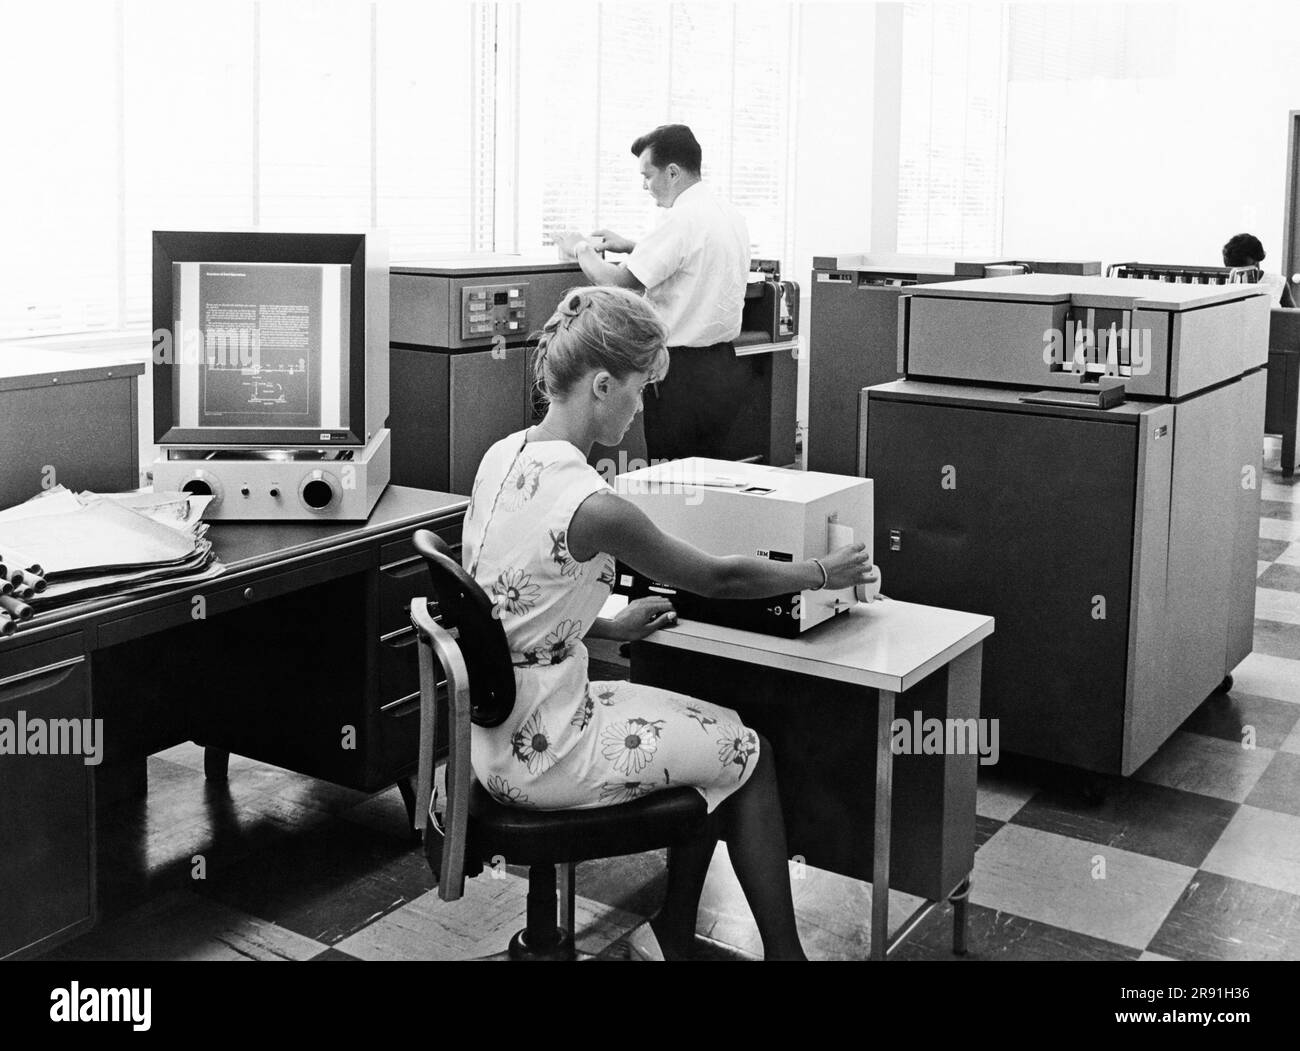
<point>249,593</point>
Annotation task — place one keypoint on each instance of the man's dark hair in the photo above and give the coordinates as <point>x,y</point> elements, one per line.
<point>670,144</point>
<point>1243,250</point>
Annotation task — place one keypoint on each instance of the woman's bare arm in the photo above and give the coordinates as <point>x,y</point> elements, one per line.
<point>605,522</point>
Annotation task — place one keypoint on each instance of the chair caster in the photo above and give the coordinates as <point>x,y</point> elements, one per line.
<point>1226,685</point>
<point>560,949</point>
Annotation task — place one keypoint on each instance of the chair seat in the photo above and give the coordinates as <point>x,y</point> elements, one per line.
<point>552,837</point>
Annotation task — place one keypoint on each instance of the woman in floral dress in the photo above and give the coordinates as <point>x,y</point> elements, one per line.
<point>541,536</point>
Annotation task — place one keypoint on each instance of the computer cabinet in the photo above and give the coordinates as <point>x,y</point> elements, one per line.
<point>1115,549</point>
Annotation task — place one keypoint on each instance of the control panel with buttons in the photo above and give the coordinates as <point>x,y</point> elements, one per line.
<point>490,310</point>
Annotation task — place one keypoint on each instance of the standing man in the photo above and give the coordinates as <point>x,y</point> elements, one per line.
<point>693,266</point>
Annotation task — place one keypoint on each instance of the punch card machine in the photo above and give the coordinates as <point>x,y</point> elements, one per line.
<point>728,508</point>
<point>270,372</point>
<point>1078,457</point>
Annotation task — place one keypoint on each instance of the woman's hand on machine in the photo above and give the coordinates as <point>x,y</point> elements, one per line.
<point>849,566</point>
<point>642,617</point>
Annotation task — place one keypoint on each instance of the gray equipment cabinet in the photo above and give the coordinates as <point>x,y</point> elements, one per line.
<point>1115,547</point>
<point>853,336</point>
<point>459,360</point>
<point>66,419</point>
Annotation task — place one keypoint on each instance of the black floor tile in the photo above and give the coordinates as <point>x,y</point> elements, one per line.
<point>1277,639</point>
<point>1270,549</point>
<point>1280,577</point>
<point>326,883</point>
<point>634,883</point>
<point>1220,918</point>
<point>993,935</point>
<point>1144,818</point>
<point>1225,716</point>
<point>333,954</point>
<point>1283,509</point>
<point>985,829</point>
<point>1279,786</point>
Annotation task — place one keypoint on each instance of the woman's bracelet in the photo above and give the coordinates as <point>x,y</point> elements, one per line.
<point>825,579</point>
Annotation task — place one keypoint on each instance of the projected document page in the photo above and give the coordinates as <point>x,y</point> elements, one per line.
<point>274,345</point>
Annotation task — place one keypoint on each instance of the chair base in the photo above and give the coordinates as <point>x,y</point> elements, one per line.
<point>561,949</point>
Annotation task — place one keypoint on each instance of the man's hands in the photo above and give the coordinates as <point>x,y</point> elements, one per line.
<point>610,241</point>
<point>642,617</point>
<point>568,241</point>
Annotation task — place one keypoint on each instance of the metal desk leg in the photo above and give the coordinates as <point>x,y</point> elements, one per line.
<point>959,917</point>
<point>884,815</point>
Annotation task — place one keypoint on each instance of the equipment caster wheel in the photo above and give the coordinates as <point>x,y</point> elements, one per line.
<point>1226,685</point>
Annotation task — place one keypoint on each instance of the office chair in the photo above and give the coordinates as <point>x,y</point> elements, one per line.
<point>470,645</point>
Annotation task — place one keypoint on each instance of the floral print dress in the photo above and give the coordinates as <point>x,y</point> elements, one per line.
<point>570,743</point>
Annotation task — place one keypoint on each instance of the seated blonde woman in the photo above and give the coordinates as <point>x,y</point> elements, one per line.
<point>541,535</point>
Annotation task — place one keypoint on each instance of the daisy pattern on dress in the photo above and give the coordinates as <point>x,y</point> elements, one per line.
<point>583,715</point>
<point>736,746</point>
<point>696,711</point>
<point>612,792</point>
<point>521,483</point>
<point>606,575</point>
<point>560,553</point>
<point>514,591</point>
<point>607,694</point>
<point>631,745</point>
<point>558,641</point>
<point>503,792</point>
<point>532,746</point>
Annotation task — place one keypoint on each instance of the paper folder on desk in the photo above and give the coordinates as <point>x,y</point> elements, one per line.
<point>97,538</point>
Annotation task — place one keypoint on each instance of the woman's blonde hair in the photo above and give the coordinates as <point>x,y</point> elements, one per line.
<point>598,328</point>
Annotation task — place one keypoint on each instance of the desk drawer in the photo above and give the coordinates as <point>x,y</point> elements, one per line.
<point>46,858</point>
<point>399,665</point>
<point>399,728</point>
<point>221,597</point>
<point>401,550</point>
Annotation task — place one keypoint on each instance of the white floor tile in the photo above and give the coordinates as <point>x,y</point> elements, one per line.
<point>1206,765</point>
<point>479,924</point>
<point>1282,606</point>
<point>1279,529</point>
<point>1266,676</point>
<point>1259,846</point>
<point>1290,557</point>
<point>1100,891</point>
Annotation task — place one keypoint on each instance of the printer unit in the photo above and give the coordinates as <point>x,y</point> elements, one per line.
<point>728,508</point>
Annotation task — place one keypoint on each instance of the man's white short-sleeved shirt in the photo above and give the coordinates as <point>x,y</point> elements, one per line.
<point>694,265</point>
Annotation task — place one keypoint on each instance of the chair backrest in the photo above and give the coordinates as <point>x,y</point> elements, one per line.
<point>462,605</point>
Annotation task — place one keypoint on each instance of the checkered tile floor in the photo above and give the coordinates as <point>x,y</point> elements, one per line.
<point>1197,856</point>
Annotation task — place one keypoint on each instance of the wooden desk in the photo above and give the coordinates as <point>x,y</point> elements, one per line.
<point>820,700</point>
<point>304,658</point>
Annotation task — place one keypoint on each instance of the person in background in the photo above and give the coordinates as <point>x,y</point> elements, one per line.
<point>693,267</point>
<point>1246,250</point>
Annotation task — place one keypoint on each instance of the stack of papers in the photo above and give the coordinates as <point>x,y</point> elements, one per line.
<point>89,545</point>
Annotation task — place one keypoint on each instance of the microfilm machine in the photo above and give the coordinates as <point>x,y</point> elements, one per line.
<point>270,372</point>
